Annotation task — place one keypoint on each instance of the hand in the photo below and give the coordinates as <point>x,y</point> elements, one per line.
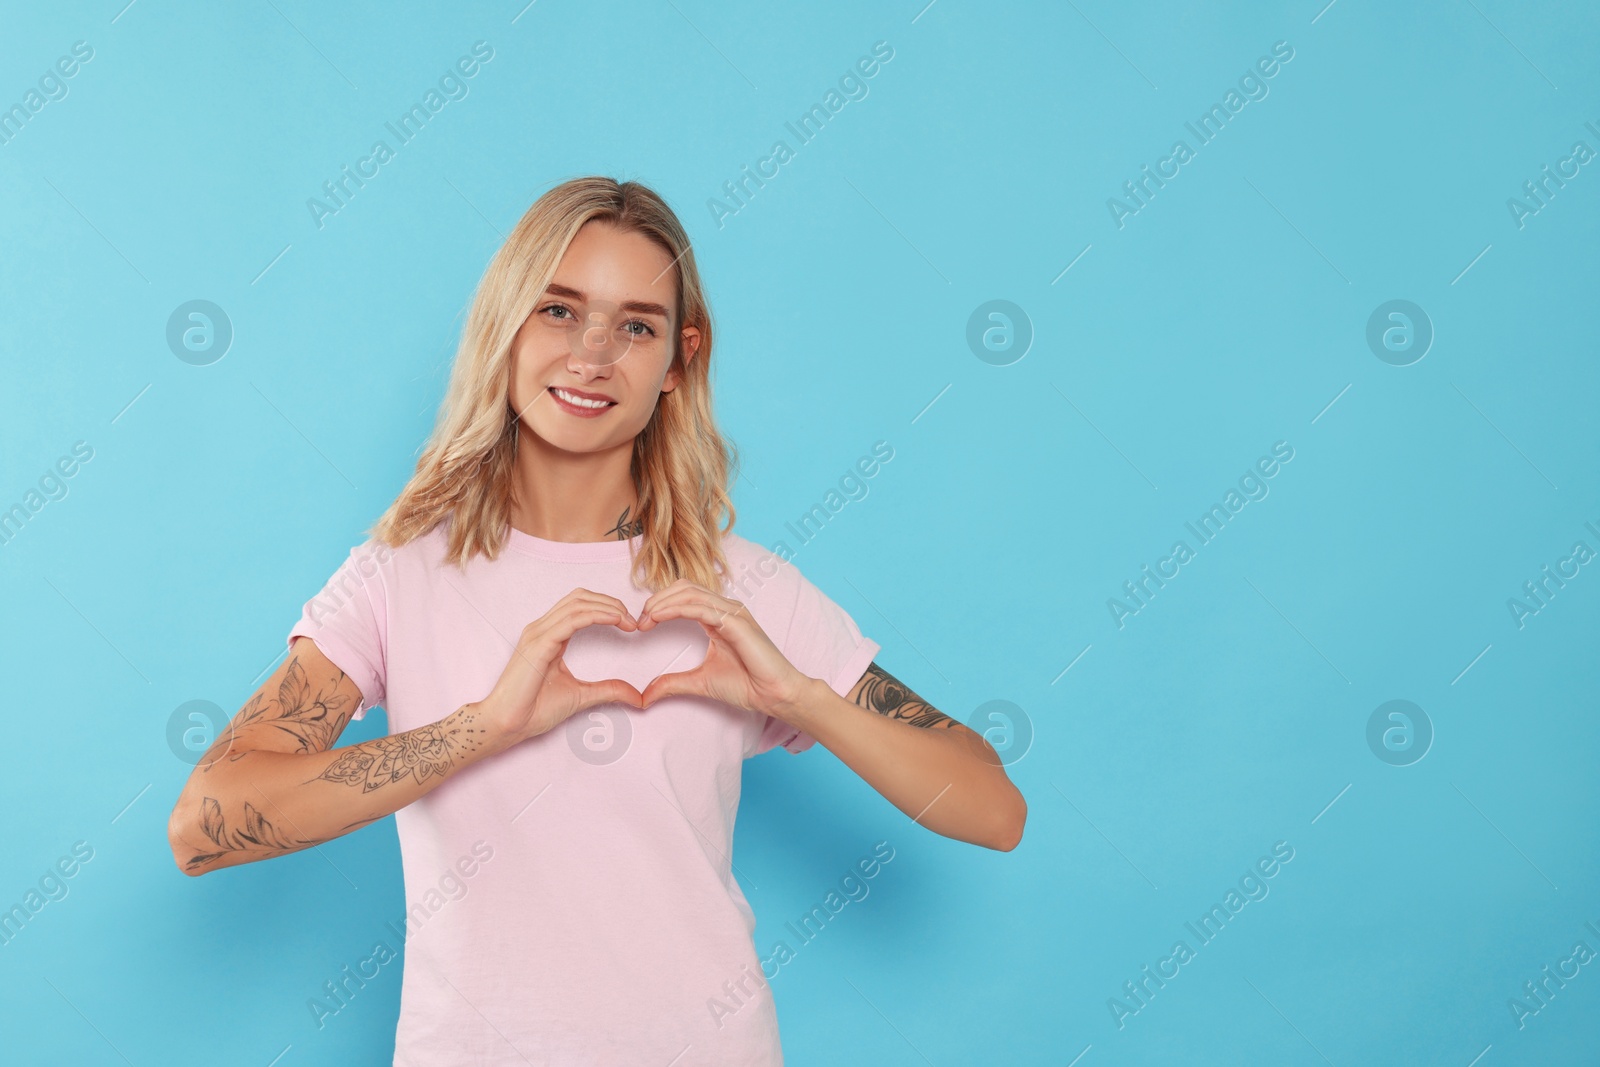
<point>742,666</point>
<point>536,692</point>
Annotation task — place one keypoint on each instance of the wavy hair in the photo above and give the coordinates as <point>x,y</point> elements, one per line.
<point>681,463</point>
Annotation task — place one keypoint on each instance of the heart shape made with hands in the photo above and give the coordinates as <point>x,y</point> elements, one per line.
<point>603,651</point>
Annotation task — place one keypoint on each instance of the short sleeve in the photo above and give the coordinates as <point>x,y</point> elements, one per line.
<point>348,621</point>
<point>822,641</point>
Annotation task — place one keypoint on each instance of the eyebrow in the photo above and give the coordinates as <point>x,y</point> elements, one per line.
<point>642,307</point>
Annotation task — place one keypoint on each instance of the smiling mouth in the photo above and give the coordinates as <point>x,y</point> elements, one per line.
<point>578,404</point>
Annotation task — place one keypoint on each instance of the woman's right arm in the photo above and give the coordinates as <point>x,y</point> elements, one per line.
<point>273,783</point>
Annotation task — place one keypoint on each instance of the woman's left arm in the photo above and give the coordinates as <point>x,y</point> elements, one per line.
<point>941,773</point>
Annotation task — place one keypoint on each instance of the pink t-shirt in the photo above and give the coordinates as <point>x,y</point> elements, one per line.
<point>571,900</point>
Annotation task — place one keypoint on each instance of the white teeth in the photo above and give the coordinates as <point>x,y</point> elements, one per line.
<point>578,401</point>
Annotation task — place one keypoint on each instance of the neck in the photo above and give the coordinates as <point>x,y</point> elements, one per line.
<point>573,497</point>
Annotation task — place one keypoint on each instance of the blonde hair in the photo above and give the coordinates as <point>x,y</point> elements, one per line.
<point>681,463</point>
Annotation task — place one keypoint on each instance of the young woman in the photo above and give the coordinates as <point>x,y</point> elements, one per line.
<point>560,551</point>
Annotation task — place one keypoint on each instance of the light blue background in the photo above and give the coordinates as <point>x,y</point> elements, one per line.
<point>1227,315</point>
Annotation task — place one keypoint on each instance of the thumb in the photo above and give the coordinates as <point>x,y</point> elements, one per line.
<point>609,691</point>
<point>678,683</point>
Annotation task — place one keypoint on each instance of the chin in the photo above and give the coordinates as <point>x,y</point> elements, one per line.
<point>574,438</point>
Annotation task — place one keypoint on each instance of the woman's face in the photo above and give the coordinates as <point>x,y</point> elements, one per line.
<point>602,331</point>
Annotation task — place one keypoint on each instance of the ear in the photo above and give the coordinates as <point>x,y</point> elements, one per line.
<point>690,345</point>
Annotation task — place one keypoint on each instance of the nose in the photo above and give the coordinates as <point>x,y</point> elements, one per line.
<point>583,361</point>
<point>595,339</point>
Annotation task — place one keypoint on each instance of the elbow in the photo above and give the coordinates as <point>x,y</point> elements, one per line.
<point>1006,817</point>
<point>183,854</point>
<point>1010,833</point>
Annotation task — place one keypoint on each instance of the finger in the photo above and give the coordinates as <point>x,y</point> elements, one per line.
<point>727,619</point>
<point>580,595</point>
<point>652,613</point>
<point>584,596</point>
<point>541,646</point>
<point>560,629</point>
<point>678,588</point>
<point>678,683</point>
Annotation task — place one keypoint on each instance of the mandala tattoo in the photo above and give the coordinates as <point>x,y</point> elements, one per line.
<point>420,755</point>
<point>885,694</point>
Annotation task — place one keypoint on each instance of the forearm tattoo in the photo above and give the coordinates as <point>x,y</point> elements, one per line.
<point>257,835</point>
<point>313,719</point>
<point>420,754</point>
<point>885,694</point>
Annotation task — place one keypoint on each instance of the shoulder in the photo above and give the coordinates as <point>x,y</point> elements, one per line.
<point>756,573</point>
<point>764,581</point>
<point>375,558</point>
<point>775,589</point>
<point>744,554</point>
